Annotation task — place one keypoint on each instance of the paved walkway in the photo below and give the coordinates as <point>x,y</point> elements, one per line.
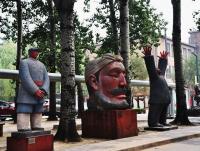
<point>145,139</point>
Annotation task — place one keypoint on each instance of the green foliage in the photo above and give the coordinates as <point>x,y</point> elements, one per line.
<point>7,90</point>
<point>7,55</point>
<point>83,42</point>
<point>36,32</point>
<point>196,16</point>
<point>145,24</point>
<point>137,68</point>
<point>189,70</point>
<point>7,58</point>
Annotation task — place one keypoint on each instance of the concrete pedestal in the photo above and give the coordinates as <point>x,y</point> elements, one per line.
<point>30,141</point>
<point>165,128</point>
<point>111,124</point>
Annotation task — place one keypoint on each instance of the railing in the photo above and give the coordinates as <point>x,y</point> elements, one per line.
<point>13,74</point>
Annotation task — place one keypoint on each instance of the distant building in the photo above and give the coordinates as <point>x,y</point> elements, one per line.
<point>167,44</point>
<point>194,40</point>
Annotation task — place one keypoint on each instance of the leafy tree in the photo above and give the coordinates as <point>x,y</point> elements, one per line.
<point>136,64</point>
<point>52,35</point>
<point>83,41</point>
<point>67,124</point>
<point>124,42</point>
<point>44,33</point>
<point>7,59</point>
<point>196,16</point>
<point>189,70</point>
<point>145,24</point>
<point>181,112</point>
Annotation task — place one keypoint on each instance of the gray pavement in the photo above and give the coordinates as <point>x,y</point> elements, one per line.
<point>187,145</point>
<point>144,140</point>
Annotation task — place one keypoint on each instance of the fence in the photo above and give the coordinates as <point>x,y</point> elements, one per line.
<point>13,74</point>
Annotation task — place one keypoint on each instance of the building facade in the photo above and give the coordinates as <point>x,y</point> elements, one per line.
<point>166,44</point>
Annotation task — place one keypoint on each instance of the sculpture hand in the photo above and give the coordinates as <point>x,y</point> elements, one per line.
<point>45,93</point>
<point>147,50</point>
<point>39,94</point>
<point>163,54</point>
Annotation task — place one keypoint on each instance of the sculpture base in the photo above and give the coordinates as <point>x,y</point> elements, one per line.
<point>165,128</point>
<point>111,124</point>
<point>30,141</point>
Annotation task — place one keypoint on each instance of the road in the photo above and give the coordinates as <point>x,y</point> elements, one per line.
<point>187,145</point>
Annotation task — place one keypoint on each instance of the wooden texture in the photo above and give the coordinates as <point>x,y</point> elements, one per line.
<point>36,143</point>
<point>111,124</point>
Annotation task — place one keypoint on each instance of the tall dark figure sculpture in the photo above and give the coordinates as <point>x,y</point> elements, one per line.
<point>159,92</point>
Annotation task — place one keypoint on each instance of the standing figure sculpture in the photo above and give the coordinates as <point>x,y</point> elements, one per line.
<point>159,92</point>
<point>106,83</point>
<point>34,86</point>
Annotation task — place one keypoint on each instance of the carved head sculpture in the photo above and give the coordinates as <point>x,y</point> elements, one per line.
<point>106,83</point>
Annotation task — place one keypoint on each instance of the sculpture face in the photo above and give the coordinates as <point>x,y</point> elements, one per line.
<point>112,82</point>
<point>109,88</point>
<point>34,54</point>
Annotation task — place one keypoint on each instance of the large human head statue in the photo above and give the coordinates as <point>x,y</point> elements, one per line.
<point>106,83</point>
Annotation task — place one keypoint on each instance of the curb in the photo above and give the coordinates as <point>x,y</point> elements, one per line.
<point>160,143</point>
<point>141,142</point>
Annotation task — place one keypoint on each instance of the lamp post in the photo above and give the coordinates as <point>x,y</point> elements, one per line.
<point>196,63</point>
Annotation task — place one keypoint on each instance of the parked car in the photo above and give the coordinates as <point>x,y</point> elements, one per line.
<point>46,107</point>
<point>7,109</point>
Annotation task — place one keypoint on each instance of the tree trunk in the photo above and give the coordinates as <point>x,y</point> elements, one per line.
<point>80,91</point>
<point>19,49</point>
<point>114,28</point>
<point>181,111</point>
<point>67,124</point>
<point>80,100</point>
<point>52,99</point>
<point>125,45</point>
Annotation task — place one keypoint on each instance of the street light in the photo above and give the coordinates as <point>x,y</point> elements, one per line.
<point>197,70</point>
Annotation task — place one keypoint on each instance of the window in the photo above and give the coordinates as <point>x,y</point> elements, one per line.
<point>168,47</point>
<point>168,73</point>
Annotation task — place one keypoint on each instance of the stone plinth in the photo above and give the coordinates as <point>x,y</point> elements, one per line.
<point>165,128</point>
<point>111,124</point>
<point>30,141</point>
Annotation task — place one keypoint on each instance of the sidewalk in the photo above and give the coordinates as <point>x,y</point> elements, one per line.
<point>145,139</point>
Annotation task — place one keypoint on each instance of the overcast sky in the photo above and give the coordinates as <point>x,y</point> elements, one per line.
<point>165,6</point>
<point>187,22</point>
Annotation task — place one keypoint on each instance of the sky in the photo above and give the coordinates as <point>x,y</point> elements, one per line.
<point>164,6</point>
<point>187,21</point>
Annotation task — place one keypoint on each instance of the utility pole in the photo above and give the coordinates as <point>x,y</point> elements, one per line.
<point>196,63</point>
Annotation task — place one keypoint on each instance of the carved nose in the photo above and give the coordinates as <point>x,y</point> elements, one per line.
<point>122,80</point>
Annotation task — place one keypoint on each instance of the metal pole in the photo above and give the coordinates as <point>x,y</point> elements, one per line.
<point>196,64</point>
<point>197,69</point>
